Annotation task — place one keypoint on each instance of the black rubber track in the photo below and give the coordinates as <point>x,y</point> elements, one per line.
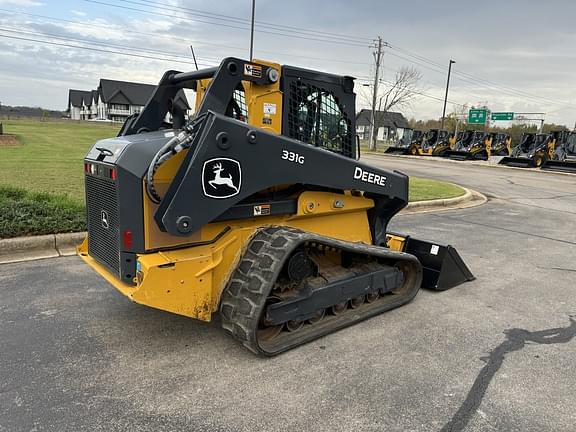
<point>244,298</point>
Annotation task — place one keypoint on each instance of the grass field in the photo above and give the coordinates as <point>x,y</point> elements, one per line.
<point>424,189</point>
<point>50,160</point>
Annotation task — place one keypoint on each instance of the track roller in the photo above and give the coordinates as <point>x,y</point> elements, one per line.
<point>287,279</point>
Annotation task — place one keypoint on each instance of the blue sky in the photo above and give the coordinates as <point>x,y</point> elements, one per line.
<point>514,56</point>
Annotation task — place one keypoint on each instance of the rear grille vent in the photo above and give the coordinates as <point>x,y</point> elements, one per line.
<point>103,222</point>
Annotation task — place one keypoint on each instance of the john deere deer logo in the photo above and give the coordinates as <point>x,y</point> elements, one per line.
<point>104,219</point>
<point>221,178</point>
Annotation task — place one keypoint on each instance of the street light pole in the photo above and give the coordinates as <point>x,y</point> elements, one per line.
<point>446,95</point>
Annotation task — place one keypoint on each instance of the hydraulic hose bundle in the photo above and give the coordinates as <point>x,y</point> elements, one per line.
<point>178,143</point>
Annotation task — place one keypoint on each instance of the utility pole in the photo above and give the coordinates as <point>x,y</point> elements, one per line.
<point>378,60</point>
<point>446,95</point>
<point>252,30</point>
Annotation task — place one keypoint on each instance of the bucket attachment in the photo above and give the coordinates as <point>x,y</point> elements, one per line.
<point>519,162</point>
<point>554,165</point>
<point>443,267</point>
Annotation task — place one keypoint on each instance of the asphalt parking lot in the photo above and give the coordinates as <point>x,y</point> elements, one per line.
<point>494,354</point>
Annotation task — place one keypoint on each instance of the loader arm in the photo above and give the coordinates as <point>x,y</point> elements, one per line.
<point>265,160</point>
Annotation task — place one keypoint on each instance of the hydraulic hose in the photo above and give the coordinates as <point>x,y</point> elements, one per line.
<point>170,149</point>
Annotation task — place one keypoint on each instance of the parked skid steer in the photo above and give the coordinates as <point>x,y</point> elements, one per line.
<point>256,207</point>
<point>434,142</point>
<point>533,150</point>
<point>472,145</point>
<point>411,137</point>
<point>501,144</point>
<point>564,157</point>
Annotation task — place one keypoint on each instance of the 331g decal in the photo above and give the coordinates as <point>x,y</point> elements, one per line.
<point>292,157</point>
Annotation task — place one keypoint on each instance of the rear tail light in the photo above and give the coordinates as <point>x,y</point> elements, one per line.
<point>94,169</point>
<point>127,239</point>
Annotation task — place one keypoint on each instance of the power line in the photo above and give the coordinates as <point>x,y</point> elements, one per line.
<point>93,49</point>
<point>230,18</point>
<point>420,93</point>
<point>351,43</point>
<point>105,44</point>
<point>471,80</point>
<point>421,60</point>
<point>474,79</point>
<point>174,38</point>
<point>426,63</point>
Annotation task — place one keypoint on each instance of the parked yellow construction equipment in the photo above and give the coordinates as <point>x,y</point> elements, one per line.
<point>256,207</point>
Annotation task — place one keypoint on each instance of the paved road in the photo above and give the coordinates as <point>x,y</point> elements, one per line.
<point>495,354</point>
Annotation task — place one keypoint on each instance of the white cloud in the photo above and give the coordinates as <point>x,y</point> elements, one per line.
<point>539,65</point>
<point>22,3</point>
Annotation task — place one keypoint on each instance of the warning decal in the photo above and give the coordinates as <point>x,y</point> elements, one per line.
<point>253,70</point>
<point>262,210</point>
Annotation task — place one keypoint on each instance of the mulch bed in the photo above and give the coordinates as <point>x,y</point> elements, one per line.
<point>7,140</point>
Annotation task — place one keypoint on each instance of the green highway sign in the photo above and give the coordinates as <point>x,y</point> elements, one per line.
<point>502,116</point>
<point>477,116</point>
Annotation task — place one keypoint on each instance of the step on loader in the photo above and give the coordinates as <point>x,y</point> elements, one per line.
<point>402,146</point>
<point>433,143</point>
<point>473,145</point>
<point>564,157</point>
<point>532,151</point>
<point>255,207</point>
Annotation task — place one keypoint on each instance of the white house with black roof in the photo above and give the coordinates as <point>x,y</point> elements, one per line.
<point>389,125</point>
<point>112,100</point>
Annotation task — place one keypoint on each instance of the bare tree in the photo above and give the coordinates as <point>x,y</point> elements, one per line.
<point>398,94</point>
<point>457,116</point>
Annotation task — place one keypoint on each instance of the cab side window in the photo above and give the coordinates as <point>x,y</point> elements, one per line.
<point>316,117</point>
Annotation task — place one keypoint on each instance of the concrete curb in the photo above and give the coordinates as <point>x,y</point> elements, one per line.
<point>37,247</point>
<point>57,245</point>
<point>446,202</point>
<point>471,198</point>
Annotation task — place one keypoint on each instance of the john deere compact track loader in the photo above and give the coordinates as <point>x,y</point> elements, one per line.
<point>501,144</point>
<point>533,150</point>
<point>402,146</point>
<point>472,145</point>
<point>564,157</point>
<point>434,142</point>
<point>255,207</point>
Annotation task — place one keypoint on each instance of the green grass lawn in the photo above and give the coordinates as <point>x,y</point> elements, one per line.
<point>42,181</point>
<point>50,158</point>
<point>425,189</point>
